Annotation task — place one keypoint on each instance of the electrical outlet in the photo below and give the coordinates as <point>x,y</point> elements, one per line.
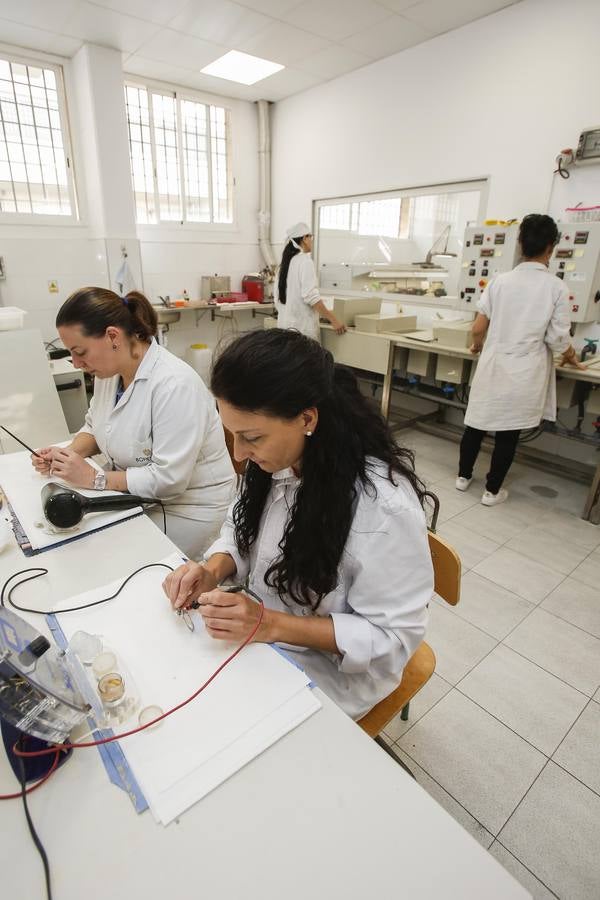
<point>53,287</point>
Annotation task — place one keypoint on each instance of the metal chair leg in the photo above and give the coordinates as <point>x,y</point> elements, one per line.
<point>379,740</point>
<point>404,712</point>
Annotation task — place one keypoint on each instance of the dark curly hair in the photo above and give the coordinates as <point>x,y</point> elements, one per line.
<point>281,373</point>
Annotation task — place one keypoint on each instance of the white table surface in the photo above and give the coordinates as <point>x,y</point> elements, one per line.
<point>324,813</point>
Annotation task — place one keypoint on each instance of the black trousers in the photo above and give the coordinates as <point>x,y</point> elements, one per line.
<point>505,445</point>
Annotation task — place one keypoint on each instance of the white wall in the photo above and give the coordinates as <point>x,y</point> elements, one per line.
<point>497,98</point>
<point>163,259</point>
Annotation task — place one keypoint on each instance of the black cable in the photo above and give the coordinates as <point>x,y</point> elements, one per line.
<point>51,612</point>
<point>34,835</point>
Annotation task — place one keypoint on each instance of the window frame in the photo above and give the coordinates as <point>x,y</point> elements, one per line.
<point>150,230</point>
<point>33,218</point>
<point>481,183</point>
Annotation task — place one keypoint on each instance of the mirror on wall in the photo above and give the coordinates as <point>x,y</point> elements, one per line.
<point>404,241</point>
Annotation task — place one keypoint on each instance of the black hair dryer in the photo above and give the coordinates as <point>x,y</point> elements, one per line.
<point>64,508</point>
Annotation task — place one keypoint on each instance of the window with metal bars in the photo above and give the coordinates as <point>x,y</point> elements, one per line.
<point>180,158</point>
<point>36,176</point>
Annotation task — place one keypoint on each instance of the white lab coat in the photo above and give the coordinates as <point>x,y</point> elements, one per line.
<point>379,606</point>
<point>166,435</point>
<point>301,296</point>
<point>514,385</point>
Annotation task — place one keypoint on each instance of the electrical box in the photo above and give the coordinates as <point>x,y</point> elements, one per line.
<point>343,276</point>
<point>376,323</point>
<point>588,147</point>
<point>454,334</point>
<point>487,251</point>
<point>451,369</point>
<point>420,363</point>
<point>346,308</point>
<point>576,260</point>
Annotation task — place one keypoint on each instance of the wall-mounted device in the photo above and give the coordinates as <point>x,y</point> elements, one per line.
<point>588,147</point>
<point>214,286</point>
<point>487,251</point>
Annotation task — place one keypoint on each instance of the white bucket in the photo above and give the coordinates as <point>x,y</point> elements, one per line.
<point>199,356</point>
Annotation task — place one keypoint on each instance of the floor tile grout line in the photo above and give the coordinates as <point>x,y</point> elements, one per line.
<point>543,883</point>
<point>548,672</point>
<point>535,780</point>
<point>412,724</point>
<point>446,791</point>
<point>574,777</point>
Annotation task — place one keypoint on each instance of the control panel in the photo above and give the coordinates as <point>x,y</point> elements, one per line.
<point>487,250</point>
<point>576,260</point>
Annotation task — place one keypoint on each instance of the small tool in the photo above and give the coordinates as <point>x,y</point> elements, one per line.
<point>22,443</point>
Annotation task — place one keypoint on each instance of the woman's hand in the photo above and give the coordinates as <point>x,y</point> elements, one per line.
<point>232,617</point>
<point>71,467</point>
<point>186,583</point>
<point>569,357</point>
<point>338,326</point>
<point>476,347</point>
<point>43,462</point>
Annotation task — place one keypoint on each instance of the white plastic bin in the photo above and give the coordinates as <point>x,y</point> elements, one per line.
<point>11,317</point>
<point>199,356</point>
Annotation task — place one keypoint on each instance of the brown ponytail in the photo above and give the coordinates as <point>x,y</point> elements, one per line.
<point>95,309</point>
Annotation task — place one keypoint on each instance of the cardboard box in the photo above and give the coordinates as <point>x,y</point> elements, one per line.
<point>454,334</point>
<point>450,369</point>
<point>374,323</point>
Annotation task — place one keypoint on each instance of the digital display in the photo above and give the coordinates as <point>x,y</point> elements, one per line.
<point>564,254</point>
<point>478,239</point>
<point>499,238</point>
<point>581,237</point>
<point>488,251</point>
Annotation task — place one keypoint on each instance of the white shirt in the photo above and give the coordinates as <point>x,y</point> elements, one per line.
<point>166,435</point>
<point>379,606</point>
<point>515,383</point>
<point>301,295</point>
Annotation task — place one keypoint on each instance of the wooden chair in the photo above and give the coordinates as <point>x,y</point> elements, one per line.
<point>421,665</point>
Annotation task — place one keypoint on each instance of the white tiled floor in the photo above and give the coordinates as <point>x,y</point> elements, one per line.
<point>506,735</point>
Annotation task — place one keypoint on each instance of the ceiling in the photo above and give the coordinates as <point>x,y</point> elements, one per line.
<point>171,40</point>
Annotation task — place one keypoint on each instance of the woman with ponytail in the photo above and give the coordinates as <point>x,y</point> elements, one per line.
<point>151,416</point>
<point>328,529</point>
<point>297,295</point>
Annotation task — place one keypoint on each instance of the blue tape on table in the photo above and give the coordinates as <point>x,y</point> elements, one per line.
<point>115,762</point>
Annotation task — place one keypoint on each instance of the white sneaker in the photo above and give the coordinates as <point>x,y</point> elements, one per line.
<point>462,484</point>
<point>490,499</point>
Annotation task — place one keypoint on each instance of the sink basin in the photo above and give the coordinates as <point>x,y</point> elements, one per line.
<point>166,316</point>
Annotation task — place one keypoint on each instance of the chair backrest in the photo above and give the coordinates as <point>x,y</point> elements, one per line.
<point>446,569</point>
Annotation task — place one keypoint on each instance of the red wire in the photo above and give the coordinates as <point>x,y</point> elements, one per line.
<point>169,712</point>
<point>39,783</point>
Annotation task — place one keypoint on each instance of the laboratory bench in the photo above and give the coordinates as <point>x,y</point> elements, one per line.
<point>323,812</point>
<point>379,353</point>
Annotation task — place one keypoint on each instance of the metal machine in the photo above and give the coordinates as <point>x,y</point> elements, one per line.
<point>576,259</point>
<point>488,250</point>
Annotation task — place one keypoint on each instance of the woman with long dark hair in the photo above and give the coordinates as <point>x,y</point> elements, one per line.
<point>151,416</point>
<point>297,295</point>
<point>328,528</point>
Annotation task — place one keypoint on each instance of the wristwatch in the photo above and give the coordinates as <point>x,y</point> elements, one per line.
<point>100,481</point>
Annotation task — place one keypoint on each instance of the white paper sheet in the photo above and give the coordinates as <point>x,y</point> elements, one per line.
<point>23,486</point>
<point>239,714</point>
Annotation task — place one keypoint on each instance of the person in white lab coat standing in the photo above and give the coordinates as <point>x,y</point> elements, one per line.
<point>297,296</point>
<point>151,416</point>
<point>523,318</point>
<point>328,529</point>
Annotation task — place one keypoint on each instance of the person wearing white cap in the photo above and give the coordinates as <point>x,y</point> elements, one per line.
<point>297,295</point>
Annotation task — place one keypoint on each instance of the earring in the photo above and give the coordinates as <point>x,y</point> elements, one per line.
<point>309,434</point>
<point>114,346</point>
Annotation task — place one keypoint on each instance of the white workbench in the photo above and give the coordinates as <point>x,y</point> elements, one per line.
<point>324,813</point>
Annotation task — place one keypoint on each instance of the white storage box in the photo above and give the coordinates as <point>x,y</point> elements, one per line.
<point>11,317</point>
<point>376,323</point>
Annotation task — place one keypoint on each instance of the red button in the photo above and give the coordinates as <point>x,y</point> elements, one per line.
<point>482,283</point>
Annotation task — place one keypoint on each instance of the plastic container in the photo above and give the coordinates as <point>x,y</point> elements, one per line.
<point>199,356</point>
<point>11,317</point>
<point>578,214</point>
<point>233,297</point>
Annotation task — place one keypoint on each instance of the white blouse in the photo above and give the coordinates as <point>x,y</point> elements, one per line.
<point>301,296</point>
<point>379,606</point>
